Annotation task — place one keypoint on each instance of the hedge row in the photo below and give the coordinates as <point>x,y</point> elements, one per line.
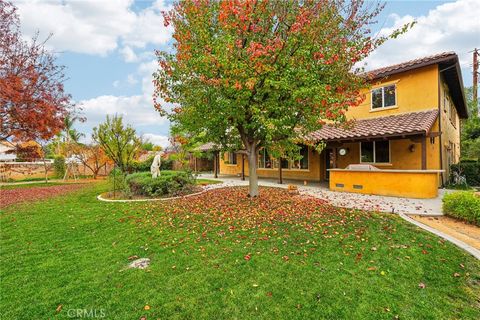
<point>464,205</point>
<point>169,183</point>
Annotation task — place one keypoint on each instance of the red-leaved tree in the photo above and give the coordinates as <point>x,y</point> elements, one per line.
<point>33,103</point>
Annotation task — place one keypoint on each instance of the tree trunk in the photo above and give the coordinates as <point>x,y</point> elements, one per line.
<point>252,170</point>
<point>46,170</point>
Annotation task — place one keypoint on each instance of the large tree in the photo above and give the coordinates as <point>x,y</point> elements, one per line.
<point>33,103</point>
<point>263,73</point>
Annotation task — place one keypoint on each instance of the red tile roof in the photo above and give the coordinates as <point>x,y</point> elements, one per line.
<point>396,125</point>
<point>412,64</point>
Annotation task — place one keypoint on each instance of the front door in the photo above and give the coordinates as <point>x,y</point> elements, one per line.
<point>329,164</point>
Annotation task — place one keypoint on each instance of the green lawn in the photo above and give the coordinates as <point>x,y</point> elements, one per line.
<point>207,181</point>
<point>224,256</point>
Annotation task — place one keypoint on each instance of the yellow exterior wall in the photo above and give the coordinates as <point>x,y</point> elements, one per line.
<point>416,90</point>
<point>450,131</point>
<point>397,184</point>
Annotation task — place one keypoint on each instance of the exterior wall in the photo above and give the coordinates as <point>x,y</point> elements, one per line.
<point>450,124</point>
<point>30,170</point>
<point>412,184</point>
<point>408,86</point>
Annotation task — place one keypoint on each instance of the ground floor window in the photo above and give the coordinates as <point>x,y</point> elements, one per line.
<point>375,151</point>
<point>303,162</point>
<point>265,161</point>
<point>232,158</point>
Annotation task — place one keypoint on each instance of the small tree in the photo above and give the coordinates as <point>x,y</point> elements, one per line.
<point>91,156</point>
<point>263,73</point>
<point>119,142</point>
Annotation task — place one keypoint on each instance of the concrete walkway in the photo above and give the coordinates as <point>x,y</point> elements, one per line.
<point>430,207</point>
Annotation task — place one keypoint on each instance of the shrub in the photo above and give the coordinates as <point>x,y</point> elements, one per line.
<point>144,166</point>
<point>169,183</point>
<point>59,166</point>
<point>469,169</point>
<point>463,205</point>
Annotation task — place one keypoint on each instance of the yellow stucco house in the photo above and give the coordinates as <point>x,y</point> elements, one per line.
<point>405,135</point>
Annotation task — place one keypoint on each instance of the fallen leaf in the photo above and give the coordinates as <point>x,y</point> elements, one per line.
<point>134,257</point>
<point>421,285</point>
<point>59,308</point>
<point>456,274</point>
<point>147,307</point>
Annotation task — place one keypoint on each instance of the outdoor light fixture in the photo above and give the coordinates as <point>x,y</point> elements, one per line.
<point>411,148</point>
<point>343,151</point>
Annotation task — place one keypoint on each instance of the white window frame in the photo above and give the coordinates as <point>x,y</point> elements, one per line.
<point>375,153</point>
<point>383,98</point>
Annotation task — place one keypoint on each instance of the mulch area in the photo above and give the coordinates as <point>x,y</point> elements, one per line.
<point>13,196</point>
<point>461,230</point>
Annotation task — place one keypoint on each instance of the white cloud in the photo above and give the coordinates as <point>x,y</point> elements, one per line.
<point>131,79</point>
<point>157,139</point>
<point>452,26</point>
<point>94,27</point>
<point>136,110</point>
<point>128,54</point>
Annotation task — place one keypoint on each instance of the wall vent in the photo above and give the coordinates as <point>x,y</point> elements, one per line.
<point>357,186</point>
<point>339,185</point>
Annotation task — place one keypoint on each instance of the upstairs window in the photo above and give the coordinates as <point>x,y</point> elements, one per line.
<point>384,97</point>
<point>375,152</point>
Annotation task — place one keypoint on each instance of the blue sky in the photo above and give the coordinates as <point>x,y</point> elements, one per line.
<point>107,47</point>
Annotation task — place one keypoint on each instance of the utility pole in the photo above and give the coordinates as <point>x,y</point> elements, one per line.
<point>475,79</point>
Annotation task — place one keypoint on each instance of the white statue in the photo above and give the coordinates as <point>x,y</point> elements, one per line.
<point>155,167</point>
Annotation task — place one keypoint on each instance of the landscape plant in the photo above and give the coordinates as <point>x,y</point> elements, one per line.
<point>464,205</point>
<point>119,141</point>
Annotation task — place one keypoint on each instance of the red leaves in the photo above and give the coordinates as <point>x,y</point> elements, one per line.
<point>8,197</point>
<point>33,103</point>
<point>247,257</point>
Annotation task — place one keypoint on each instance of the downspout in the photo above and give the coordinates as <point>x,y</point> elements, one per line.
<point>440,124</point>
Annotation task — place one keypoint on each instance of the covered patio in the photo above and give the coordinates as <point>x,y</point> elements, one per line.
<point>391,156</point>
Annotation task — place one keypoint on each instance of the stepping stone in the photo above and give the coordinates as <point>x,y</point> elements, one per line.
<point>141,263</point>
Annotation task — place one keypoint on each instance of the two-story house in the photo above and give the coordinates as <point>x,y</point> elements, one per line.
<point>408,127</point>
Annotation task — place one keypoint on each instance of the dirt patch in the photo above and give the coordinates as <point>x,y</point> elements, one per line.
<point>18,195</point>
<point>468,233</point>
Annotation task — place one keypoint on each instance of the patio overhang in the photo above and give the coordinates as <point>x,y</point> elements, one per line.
<point>414,125</point>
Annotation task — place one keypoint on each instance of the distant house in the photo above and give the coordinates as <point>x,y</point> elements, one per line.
<point>405,136</point>
<point>7,152</point>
